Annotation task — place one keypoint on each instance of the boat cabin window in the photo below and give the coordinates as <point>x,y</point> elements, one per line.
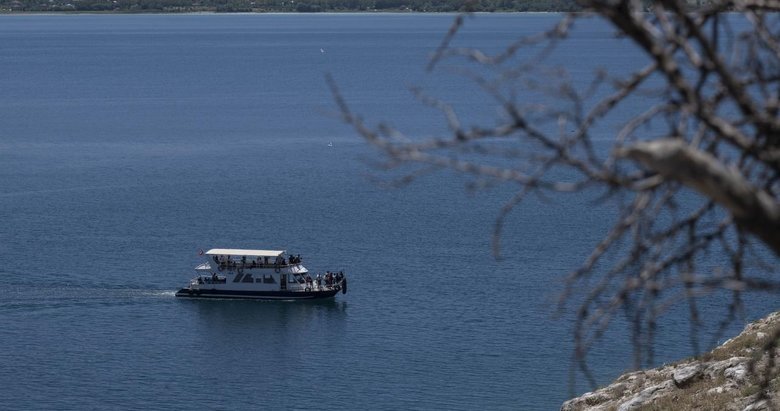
<point>212,278</point>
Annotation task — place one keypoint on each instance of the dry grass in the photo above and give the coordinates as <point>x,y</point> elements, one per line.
<point>741,346</point>
<point>744,345</point>
<point>693,397</point>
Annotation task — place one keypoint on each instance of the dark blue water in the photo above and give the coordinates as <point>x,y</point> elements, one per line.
<point>129,142</point>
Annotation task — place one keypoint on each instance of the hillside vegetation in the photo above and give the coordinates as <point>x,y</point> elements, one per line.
<point>730,377</point>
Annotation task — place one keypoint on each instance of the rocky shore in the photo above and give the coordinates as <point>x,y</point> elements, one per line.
<point>718,380</point>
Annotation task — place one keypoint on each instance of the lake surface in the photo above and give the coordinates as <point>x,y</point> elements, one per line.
<point>127,143</point>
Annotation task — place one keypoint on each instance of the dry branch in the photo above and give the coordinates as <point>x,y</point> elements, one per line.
<point>718,100</point>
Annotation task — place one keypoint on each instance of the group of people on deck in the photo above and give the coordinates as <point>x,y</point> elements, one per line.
<point>330,279</point>
<point>224,261</point>
<point>333,278</point>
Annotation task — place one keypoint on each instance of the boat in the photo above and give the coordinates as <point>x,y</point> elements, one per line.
<point>259,274</point>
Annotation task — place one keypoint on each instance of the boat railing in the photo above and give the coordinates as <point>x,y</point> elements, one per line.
<point>314,286</point>
<point>293,285</point>
<point>311,287</point>
<point>233,265</point>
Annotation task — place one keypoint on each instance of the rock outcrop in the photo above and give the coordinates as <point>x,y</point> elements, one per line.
<point>721,379</point>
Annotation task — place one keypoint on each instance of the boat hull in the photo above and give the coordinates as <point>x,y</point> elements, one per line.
<point>257,295</point>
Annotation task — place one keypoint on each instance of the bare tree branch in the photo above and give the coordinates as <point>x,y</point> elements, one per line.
<point>706,187</point>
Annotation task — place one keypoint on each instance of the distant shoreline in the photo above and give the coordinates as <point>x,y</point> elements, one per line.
<point>280,6</point>
<point>257,13</point>
<point>250,13</point>
<point>309,7</point>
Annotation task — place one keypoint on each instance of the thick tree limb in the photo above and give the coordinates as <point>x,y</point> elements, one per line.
<point>752,208</point>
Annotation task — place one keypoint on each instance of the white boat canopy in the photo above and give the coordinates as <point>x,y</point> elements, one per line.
<point>248,253</point>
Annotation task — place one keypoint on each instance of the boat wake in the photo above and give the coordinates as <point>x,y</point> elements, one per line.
<point>23,299</point>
